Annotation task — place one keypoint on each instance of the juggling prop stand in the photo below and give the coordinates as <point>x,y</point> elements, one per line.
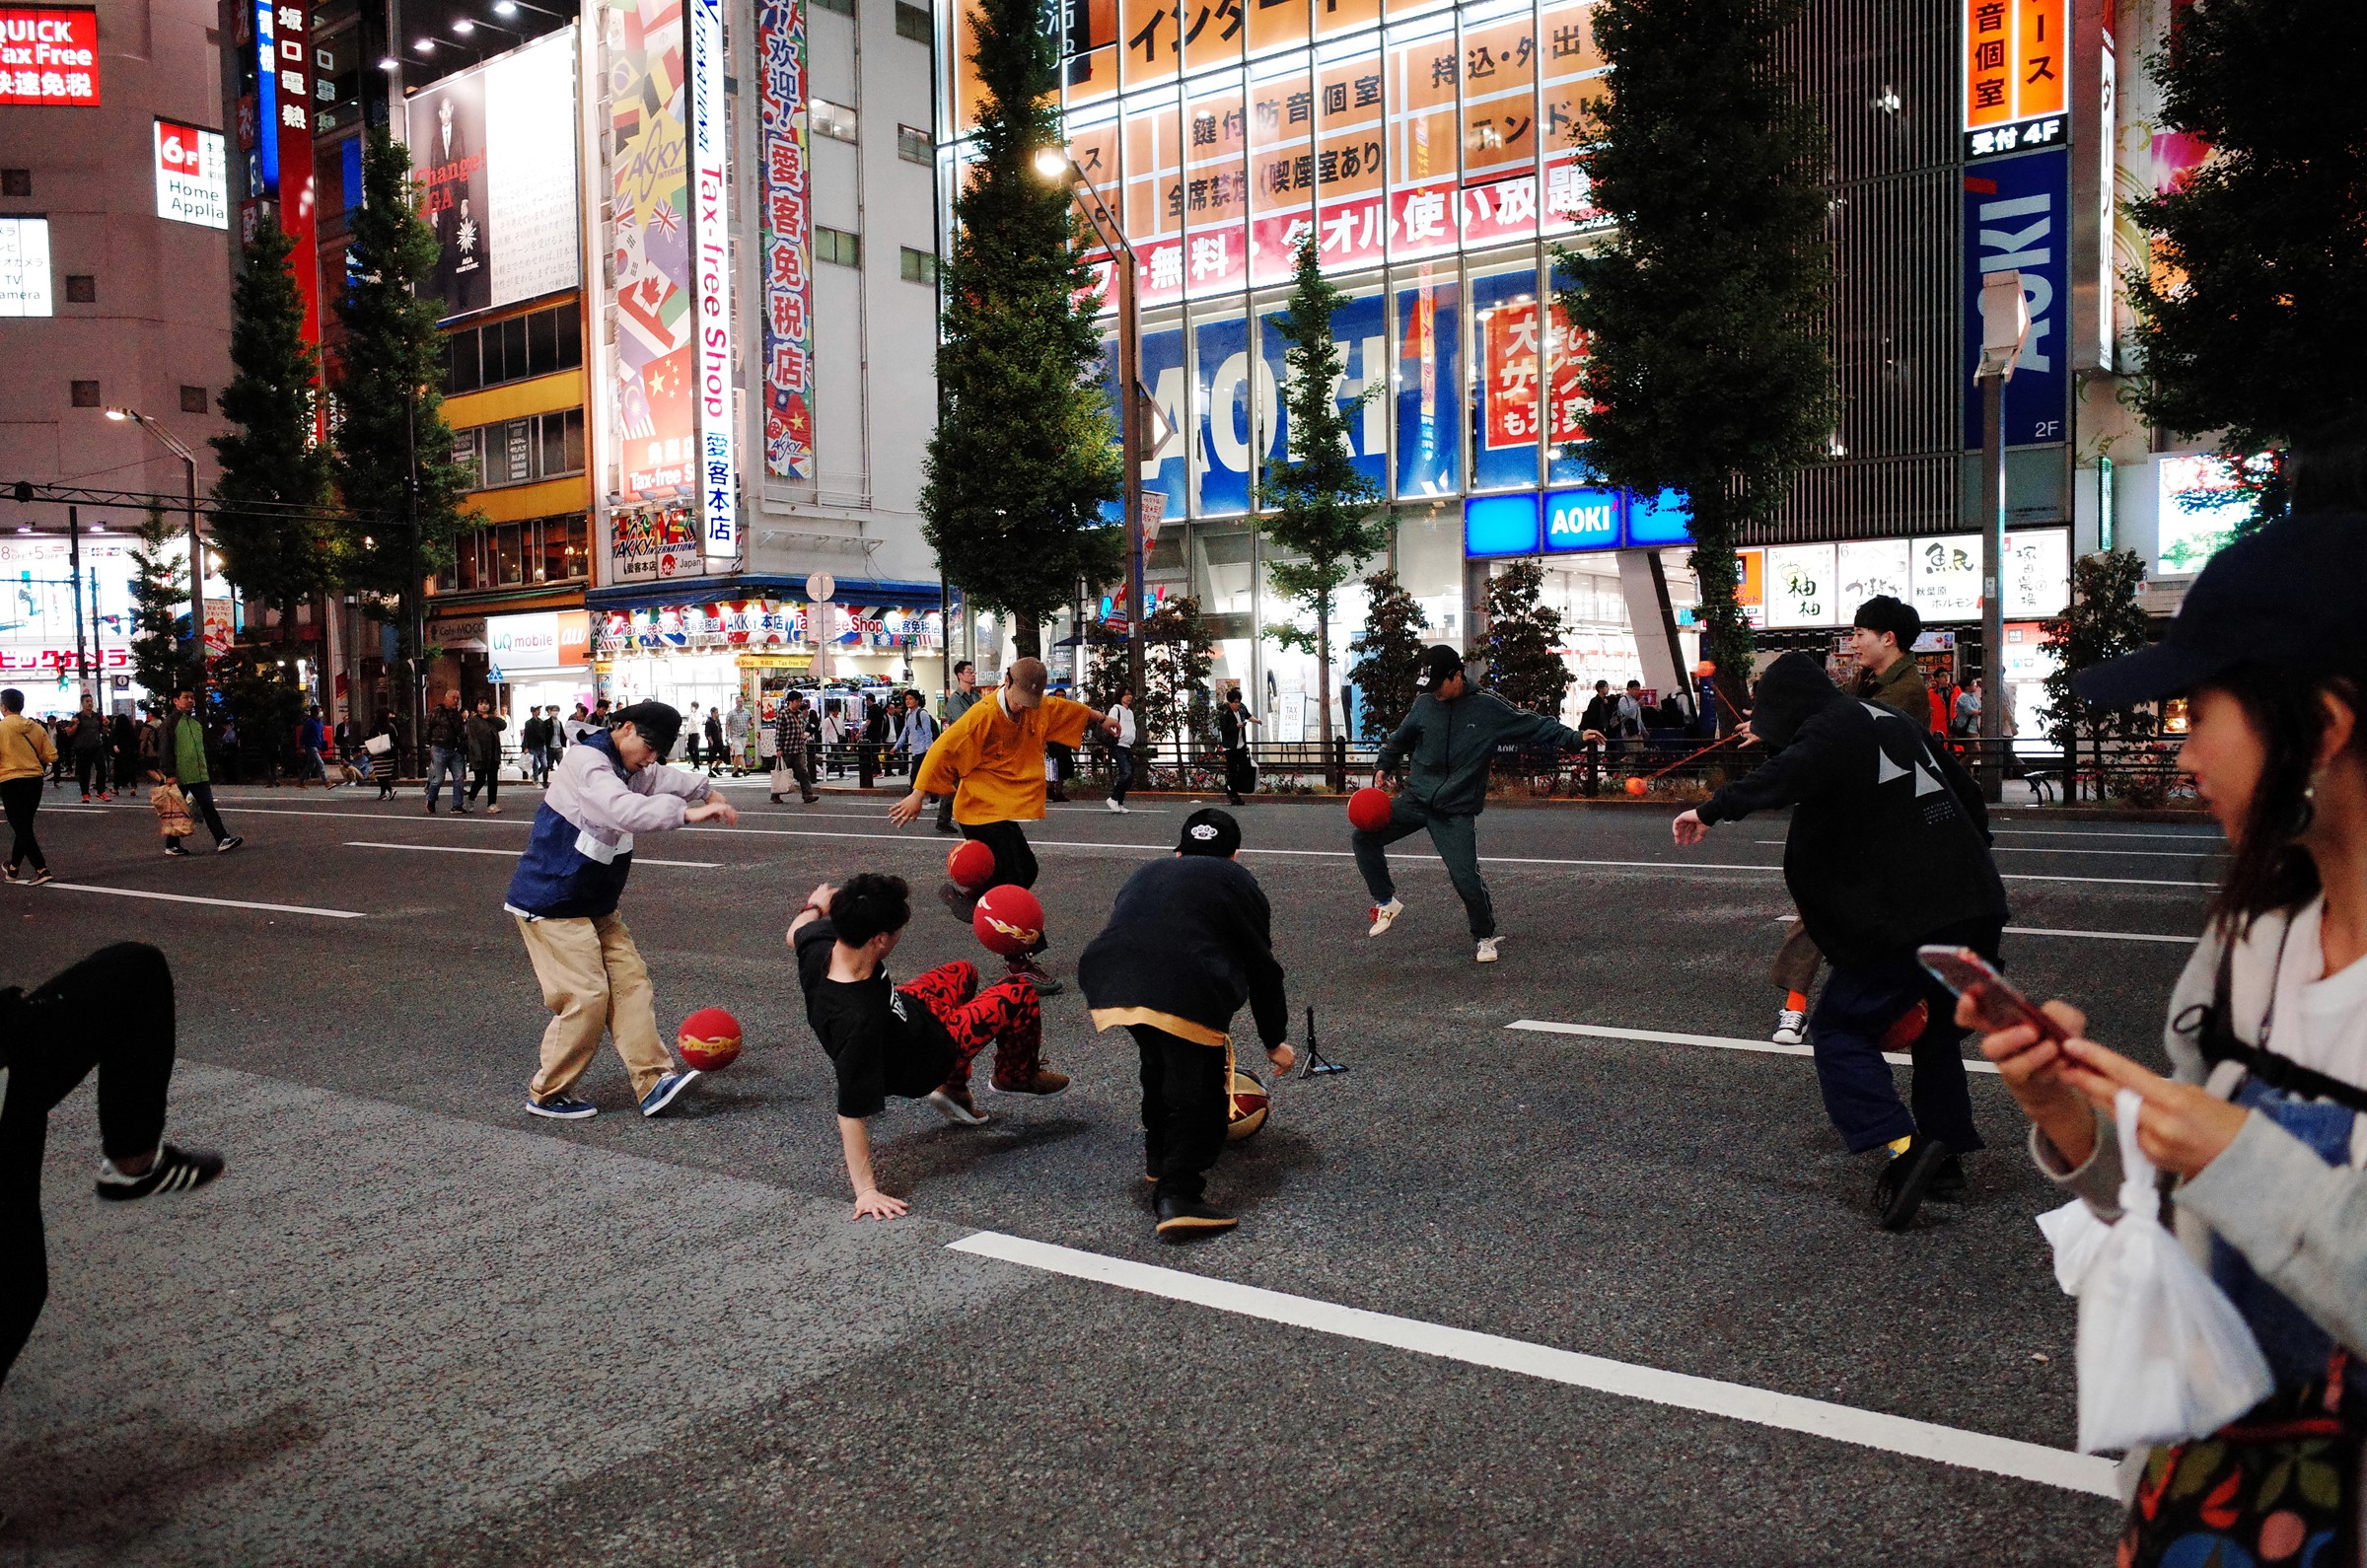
<point>1318,1063</point>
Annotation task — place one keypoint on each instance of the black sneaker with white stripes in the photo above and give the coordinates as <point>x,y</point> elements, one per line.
<point>172,1171</point>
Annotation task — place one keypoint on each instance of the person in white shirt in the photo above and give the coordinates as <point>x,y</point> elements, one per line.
<point>736,728</point>
<point>1121,752</point>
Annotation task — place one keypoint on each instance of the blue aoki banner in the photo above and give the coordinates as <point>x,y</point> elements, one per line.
<point>2017,219</point>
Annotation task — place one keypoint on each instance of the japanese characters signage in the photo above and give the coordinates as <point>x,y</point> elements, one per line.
<point>2017,67</point>
<point>787,254</point>
<point>650,248</point>
<point>1514,377</point>
<point>649,543</point>
<point>284,99</point>
<point>2017,220</point>
<point>193,179</point>
<point>49,56</point>
<point>718,481</point>
<point>493,150</point>
<point>25,288</point>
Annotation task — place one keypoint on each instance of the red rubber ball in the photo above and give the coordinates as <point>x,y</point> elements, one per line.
<point>1369,809</point>
<point>709,1039</point>
<point>969,865</point>
<point>1008,921</point>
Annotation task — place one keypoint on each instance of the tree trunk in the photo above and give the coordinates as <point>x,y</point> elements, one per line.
<point>1027,639</point>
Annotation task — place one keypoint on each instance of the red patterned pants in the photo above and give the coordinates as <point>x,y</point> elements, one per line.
<point>1006,1013</point>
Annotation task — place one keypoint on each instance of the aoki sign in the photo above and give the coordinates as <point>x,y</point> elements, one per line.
<point>711,292</point>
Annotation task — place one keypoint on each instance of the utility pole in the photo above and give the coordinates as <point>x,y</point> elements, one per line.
<point>2004,327</point>
<point>188,477</point>
<point>82,658</point>
<point>414,617</point>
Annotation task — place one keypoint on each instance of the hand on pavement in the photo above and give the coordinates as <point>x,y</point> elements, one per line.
<point>877,1205</point>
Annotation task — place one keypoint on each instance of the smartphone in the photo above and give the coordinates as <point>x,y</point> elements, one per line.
<point>1995,999</point>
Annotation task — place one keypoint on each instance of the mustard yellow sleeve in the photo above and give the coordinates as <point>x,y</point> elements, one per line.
<point>1064,721</point>
<point>955,753</point>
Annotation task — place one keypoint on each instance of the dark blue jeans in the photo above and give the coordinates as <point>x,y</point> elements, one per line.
<point>1859,1003</point>
<point>1121,773</point>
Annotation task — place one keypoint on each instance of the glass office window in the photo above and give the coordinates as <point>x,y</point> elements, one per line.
<point>1507,400</point>
<point>1429,378</point>
<point>1423,168</point>
<point>1281,114</point>
<point>1224,403</point>
<point>1361,329</point>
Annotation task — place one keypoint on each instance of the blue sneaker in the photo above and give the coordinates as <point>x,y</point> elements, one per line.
<point>668,1088</point>
<point>561,1107</point>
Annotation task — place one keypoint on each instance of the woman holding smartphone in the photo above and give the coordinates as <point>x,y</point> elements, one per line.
<point>2262,1121</point>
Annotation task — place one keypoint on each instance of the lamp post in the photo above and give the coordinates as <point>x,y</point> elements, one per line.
<point>1054,164</point>
<point>2004,328</point>
<point>188,474</point>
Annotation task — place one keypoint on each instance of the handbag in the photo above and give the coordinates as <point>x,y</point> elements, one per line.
<point>378,745</point>
<point>171,809</point>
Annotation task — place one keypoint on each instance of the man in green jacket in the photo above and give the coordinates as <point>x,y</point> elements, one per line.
<point>181,758</point>
<point>1444,746</point>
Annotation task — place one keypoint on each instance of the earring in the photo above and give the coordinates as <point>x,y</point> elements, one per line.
<point>2305,809</point>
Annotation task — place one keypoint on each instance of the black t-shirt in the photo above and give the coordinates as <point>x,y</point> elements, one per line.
<point>879,1041</point>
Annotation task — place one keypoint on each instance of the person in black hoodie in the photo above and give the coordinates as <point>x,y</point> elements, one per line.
<point>1189,939</point>
<point>1888,849</point>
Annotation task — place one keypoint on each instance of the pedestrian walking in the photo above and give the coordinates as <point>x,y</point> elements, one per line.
<point>715,741</point>
<point>565,895</point>
<point>833,736</point>
<point>1445,747</point>
<point>90,745</point>
<point>482,732</point>
<point>112,1012</point>
<point>916,732</point>
<point>27,752</point>
<point>959,700</point>
<point>1121,752</point>
<point>739,733</point>
<point>123,753</point>
<point>791,759</point>
<point>1189,941</point>
<point>533,744</point>
<point>993,764</point>
<point>381,748</point>
<point>180,759</point>
<point>918,1040</point>
<point>448,753</point>
<point>1233,723</point>
<point>1887,849</point>
<point>691,751</point>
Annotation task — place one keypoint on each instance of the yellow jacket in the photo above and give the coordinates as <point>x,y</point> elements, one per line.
<point>25,750</point>
<point>998,758</point>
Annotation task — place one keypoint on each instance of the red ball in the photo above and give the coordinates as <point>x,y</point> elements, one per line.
<point>1907,1028</point>
<point>1637,786</point>
<point>1008,921</point>
<point>969,865</point>
<point>710,1038</point>
<point>1369,809</point>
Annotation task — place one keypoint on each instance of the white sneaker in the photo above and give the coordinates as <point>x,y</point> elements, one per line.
<point>1487,950</point>
<point>1115,806</point>
<point>1385,915</point>
<point>1791,1026</point>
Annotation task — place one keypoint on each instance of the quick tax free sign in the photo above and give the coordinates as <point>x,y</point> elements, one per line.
<point>49,56</point>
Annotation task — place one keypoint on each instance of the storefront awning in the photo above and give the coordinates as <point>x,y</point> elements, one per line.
<point>707,590</point>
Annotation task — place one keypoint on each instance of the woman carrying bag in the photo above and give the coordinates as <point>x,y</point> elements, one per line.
<point>2260,1130</point>
<point>379,753</point>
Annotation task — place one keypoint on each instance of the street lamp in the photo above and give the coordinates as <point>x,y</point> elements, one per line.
<point>2004,328</point>
<point>1055,166</point>
<point>188,474</point>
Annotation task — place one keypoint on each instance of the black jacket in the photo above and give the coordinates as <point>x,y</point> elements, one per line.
<point>448,728</point>
<point>1889,841</point>
<point>1191,934</point>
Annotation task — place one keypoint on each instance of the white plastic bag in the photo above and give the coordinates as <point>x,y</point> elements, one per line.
<point>2163,1355</point>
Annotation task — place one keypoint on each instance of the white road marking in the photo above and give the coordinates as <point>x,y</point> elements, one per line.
<point>513,854</point>
<point>1735,1402</point>
<point>2049,849</point>
<point>2055,931</point>
<point>225,903</point>
<point>2207,836</point>
<point>1722,1042</point>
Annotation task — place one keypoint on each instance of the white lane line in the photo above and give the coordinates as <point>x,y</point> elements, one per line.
<point>2057,931</point>
<point>513,854</point>
<point>1722,1042</point>
<point>1735,1402</point>
<point>225,903</point>
<point>2207,836</point>
<point>2049,849</point>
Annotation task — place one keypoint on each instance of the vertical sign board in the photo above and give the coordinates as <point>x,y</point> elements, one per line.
<point>284,93</point>
<point>649,249</point>
<point>2017,219</point>
<point>192,176</point>
<point>787,270</point>
<point>711,280</point>
<point>2016,75</point>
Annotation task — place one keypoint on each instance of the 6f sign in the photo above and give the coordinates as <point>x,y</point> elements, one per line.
<point>2015,220</point>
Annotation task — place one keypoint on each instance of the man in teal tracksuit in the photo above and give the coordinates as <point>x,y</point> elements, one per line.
<point>1446,745</point>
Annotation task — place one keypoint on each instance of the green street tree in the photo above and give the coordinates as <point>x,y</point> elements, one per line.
<point>1389,654</point>
<point>1023,453</point>
<point>2253,320</point>
<point>1706,357</point>
<point>389,394</point>
<point>160,598</point>
<point>1322,515</point>
<point>1522,633</point>
<point>271,461</point>
<point>2103,621</point>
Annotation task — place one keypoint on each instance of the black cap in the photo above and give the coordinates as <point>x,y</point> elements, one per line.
<point>1440,665</point>
<point>1885,612</point>
<point>1209,831</point>
<point>2282,597</point>
<point>655,722</point>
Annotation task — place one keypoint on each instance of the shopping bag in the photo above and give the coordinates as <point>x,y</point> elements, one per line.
<point>378,745</point>
<point>171,809</point>
<point>2163,1354</point>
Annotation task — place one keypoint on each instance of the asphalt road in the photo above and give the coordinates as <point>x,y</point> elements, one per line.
<point>1500,1295</point>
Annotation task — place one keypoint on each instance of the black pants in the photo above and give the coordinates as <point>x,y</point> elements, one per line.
<point>1183,1109</point>
<point>1014,861</point>
<point>488,779</point>
<point>113,1011</point>
<point>21,798</point>
<point>1121,773</point>
<point>200,797</point>
<point>1239,774</point>
<point>89,766</point>
<point>1861,1001</point>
